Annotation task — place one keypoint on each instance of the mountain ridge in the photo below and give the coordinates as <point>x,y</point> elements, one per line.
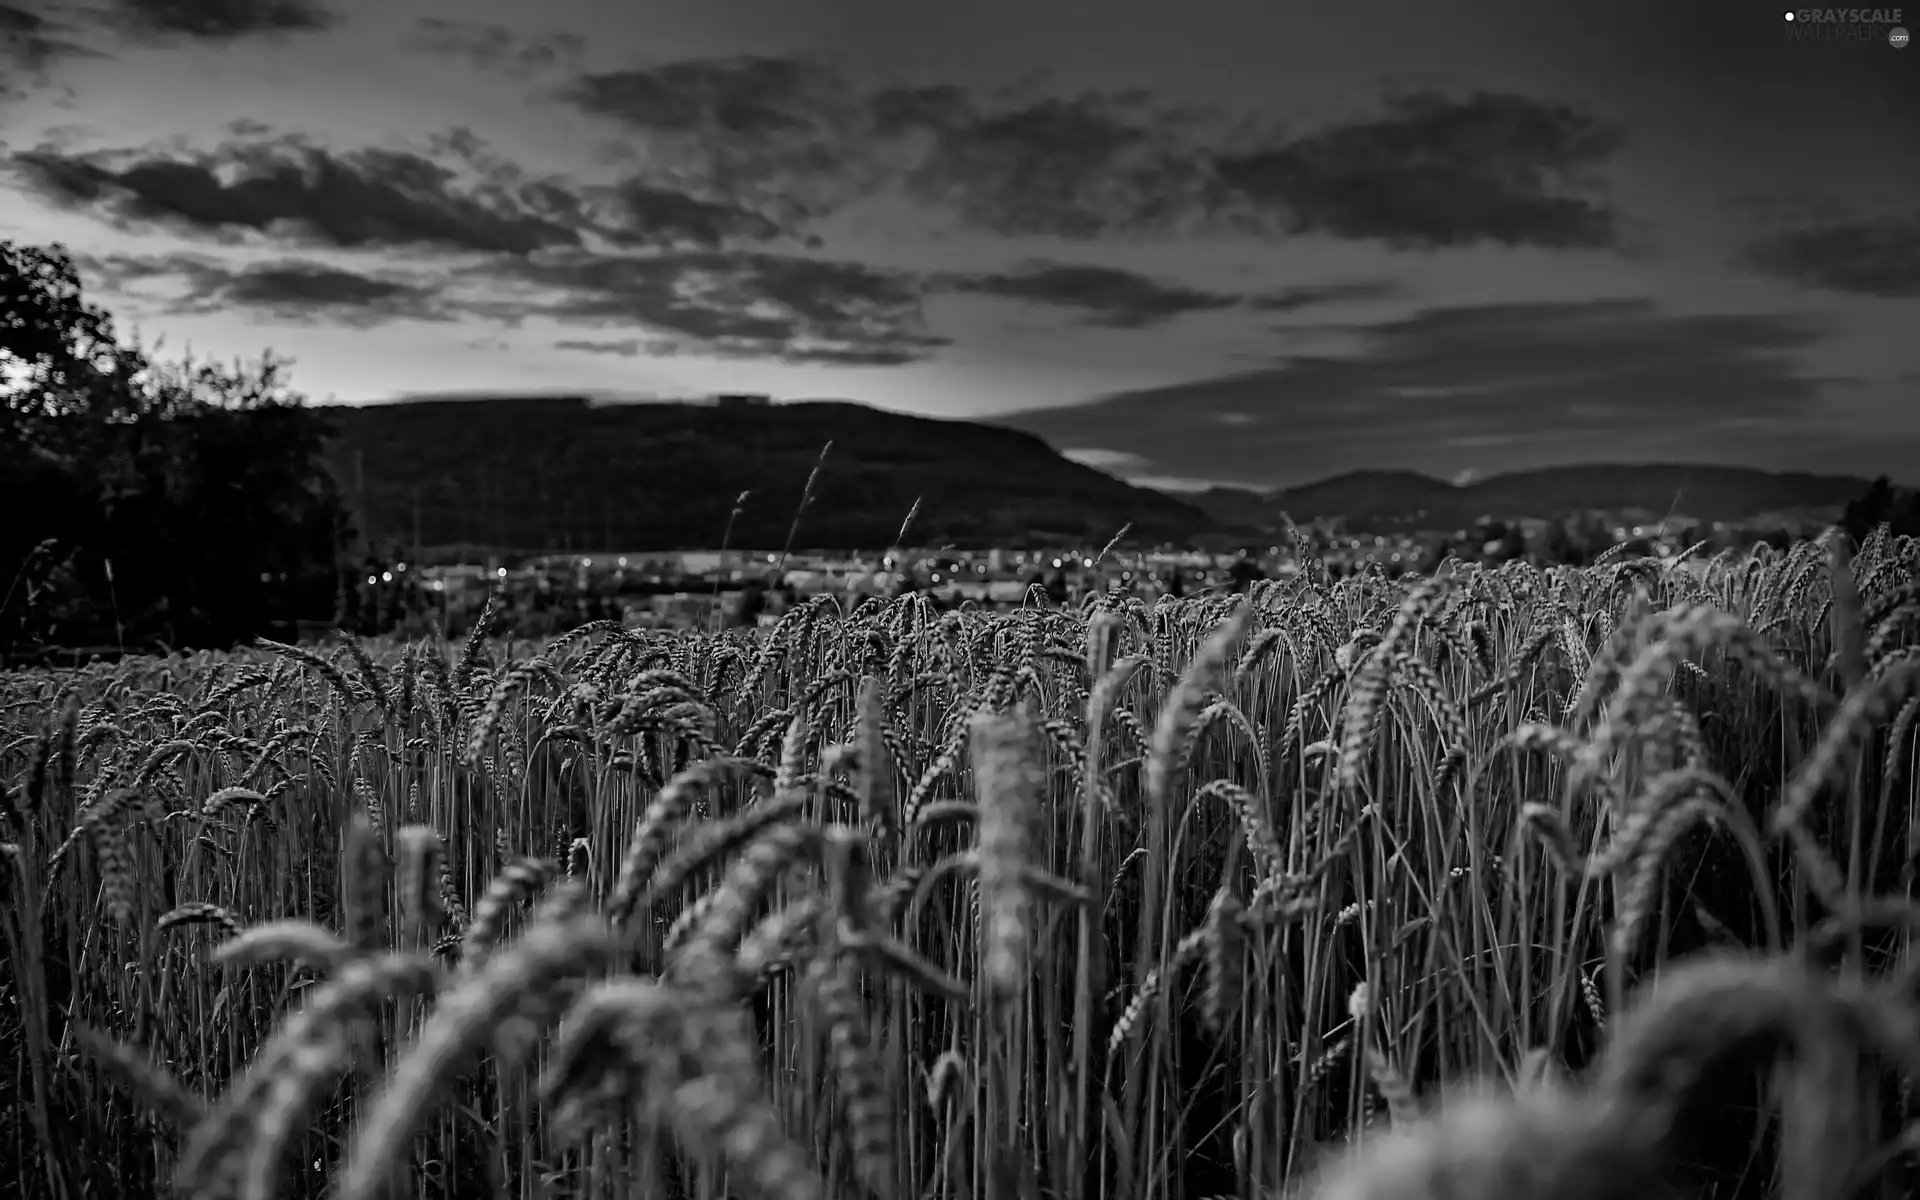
<point>1400,498</point>
<point>563,472</point>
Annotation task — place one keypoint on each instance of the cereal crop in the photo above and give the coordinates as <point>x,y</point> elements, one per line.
<point>1497,882</point>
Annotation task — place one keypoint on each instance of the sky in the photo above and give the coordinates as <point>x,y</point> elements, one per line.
<point>1189,243</point>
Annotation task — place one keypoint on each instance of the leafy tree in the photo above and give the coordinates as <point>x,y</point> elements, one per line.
<point>149,503</point>
<point>1899,507</point>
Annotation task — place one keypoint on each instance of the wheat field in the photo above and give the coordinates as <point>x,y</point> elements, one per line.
<point>1500,882</point>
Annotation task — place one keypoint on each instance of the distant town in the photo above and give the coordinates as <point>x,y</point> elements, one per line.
<point>538,595</point>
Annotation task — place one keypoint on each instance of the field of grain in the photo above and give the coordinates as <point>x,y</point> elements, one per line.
<point>1503,882</point>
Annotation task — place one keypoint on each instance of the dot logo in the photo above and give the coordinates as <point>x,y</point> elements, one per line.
<point>1897,39</point>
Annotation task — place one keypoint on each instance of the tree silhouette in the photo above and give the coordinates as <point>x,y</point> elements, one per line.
<point>1882,502</point>
<point>148,503</point>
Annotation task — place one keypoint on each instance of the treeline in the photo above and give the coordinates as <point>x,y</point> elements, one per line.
<point>149,504</point>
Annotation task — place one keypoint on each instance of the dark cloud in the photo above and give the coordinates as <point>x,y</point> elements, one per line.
<point>29,45</point>
<point>457,195</point>
<point>735,305</point>
<point>288,290</point>
<point>364,198</point>
<point>784,127</point>
<point>492,47</point>
<point>637,211</point>
<point>25,37</point>
<point>863,356</point>
<point>315,291</point>
<point>1785,209</point>
<point>1080,168</point>
<point>1871,256</point>
<point>1429,171</point>
<point>1435,172</point>
<point>223,20</point>
<point>1294,299</point>
<point>660,265</point>
<point>777,136</point>
<point>1451,388</point>
<point>661,216</point>
<point>623,348</point>
<point>749,98</point>
<point>906,111</point>
<point>1105,295</point>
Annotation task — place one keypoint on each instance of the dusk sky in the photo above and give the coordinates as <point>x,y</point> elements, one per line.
<point>1188,241</point>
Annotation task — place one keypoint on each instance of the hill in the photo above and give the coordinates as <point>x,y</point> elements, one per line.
<point>565,474</point>
<point>1407,499</point>
<point>1362,496</point>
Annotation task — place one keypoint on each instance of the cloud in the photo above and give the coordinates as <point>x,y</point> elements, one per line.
<point>1105,460</point>
<point>1429,171</point>
<point>1070,167</point>
<point>623,348</point>
<point>669,271</point>
<point>29,45</point>
<point>762,150</point>
<point>493,48</point>
<point>1083,167</point>
<point>303,194</point>
<point>660,216</point>
<point>223,20</point>
<point>778,136</point>
<point>1580,381</point>
<point>18,21</point>
<point>802,355</point>
<point>24,38</point>
<point>1105,296</point>
<point>455,194</point>
<point>313,291</point>
<point>748,98</point>
<point>1871,256</point>
<point>1293,299</point>
<point>735,304</point>
<point>1438,172</point>
<point>1115,298</point>
<point>1136,470</point>
<point>294,290</point>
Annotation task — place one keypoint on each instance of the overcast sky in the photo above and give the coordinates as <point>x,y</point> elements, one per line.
<point>1194,240</point>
